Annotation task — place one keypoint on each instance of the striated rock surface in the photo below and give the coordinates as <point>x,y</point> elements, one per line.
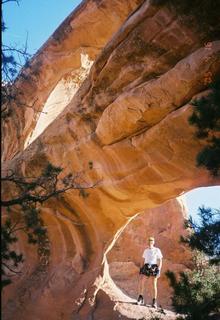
<point>165,223</point>
<point>51,281</point>
<point>129,118</point>
<point>84,32</point>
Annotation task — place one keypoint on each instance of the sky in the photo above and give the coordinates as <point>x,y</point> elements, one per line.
<point>208,196</point>
<point>36,20</point>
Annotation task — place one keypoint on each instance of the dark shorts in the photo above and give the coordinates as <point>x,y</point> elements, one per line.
<point>149,270</point>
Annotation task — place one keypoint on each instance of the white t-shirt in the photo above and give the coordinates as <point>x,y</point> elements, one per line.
<point>151,255</point>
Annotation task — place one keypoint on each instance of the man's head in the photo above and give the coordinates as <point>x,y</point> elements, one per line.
<point>151,241</point>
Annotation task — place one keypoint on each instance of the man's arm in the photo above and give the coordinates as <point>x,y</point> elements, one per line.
<point>143,258</point>
<point>159,257</point>
<point>160,265</point>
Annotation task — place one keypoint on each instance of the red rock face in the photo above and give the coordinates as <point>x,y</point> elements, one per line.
<point>130,119</point>
<point>166,224</point>
<point>85,31</point>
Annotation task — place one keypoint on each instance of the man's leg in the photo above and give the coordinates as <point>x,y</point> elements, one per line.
<point>155,288</point>
<point>154,302</point>
<point>141,286</point>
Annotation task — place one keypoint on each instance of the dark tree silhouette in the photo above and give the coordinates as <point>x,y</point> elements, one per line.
<point>197,292</point>
<point>205,236</point>
<point>22,209</point>
<point>206,118</point>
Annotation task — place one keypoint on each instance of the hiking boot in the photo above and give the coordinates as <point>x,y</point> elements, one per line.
<point>140,300</point>
<point>154,303</point>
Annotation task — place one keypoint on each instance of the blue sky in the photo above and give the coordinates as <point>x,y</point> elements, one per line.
<point>35,18</point>
<point>209,197</point>
<point>38,19</point>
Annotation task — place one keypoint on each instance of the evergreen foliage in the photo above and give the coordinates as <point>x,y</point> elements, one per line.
<point>196,293</point>
<point>23,211</point>
<point>205,236</point>
<point>206,118</point>
<point>13,57</point>
<point>8,255</point>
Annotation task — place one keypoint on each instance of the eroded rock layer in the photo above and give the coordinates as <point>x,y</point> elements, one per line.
<point>129,119</point>
<point>166,224</point>
<point>84,32</point>
<point>48,280</point>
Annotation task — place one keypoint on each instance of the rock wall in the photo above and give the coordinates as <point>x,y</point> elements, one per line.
<point>129,118</point>
<point>85,31</point>
<point>53,281</point>
<point>165,223</point>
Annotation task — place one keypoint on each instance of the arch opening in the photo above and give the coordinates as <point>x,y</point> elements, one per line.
<point>60,97</point>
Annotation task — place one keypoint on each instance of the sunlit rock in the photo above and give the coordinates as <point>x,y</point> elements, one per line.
<point>136,161</point>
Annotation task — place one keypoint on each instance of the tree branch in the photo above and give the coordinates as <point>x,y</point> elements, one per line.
<point>40,199</point>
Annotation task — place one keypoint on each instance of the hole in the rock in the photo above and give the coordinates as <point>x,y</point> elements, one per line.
<point>59,98</point>
<point>166,224</point>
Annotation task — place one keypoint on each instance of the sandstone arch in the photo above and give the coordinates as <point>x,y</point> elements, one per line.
<point>150,164</point>
<point>59,56</point>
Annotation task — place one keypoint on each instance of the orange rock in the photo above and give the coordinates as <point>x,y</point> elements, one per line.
<point>139,166</point>
<point>85,31</point>
<point>166,224</point>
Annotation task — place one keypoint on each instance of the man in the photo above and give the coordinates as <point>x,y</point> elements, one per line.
<point>151,269</point>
